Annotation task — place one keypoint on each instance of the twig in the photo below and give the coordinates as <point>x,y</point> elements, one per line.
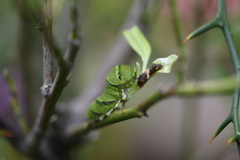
<point>118,116</point>
<point>236,62</point>
<point>47,52</point>
<point>74,41</point>
<point>14,102</point>
<point>187,89</point>
<point>74,38</point>
<point>63,65</point>
<point>54,91</point>
<point>179,37</point>
<point>221,21</point>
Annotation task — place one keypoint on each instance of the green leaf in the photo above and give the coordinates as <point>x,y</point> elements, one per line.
<point>139,44</point>
<point>166,62</point>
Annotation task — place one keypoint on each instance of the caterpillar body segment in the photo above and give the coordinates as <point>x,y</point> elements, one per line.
<point>118,83</point>
<point>121,83</point>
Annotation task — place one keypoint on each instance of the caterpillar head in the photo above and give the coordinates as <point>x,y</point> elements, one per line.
<point>121,75</point>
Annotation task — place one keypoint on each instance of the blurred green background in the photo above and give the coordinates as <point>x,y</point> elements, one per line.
<point>178,128</point>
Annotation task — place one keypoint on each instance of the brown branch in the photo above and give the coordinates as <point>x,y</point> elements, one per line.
<point>74,41</point>
<point>116,56</point>
<point>74,38</point>
<point>47,53</point>
<point>54,89</point>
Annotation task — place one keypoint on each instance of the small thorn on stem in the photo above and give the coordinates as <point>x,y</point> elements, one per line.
<point>187,39</point>
<point>68,77</point>
<point>228,143</point>
<point>210,142</point>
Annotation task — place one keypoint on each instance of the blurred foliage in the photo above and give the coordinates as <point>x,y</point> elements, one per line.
<point>7,152</point>
<point>8,28</point>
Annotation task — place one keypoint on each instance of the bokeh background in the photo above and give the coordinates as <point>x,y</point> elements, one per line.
<point>178,128</point>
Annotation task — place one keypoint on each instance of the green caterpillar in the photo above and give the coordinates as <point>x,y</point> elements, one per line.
<point>121,83</point>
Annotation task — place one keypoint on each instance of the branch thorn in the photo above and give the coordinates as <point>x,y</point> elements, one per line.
<point>210,142</point>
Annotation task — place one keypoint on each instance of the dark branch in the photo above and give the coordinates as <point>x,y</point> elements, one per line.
<point>47,52</point>
<point>54,89</point>
<point>74,38</point>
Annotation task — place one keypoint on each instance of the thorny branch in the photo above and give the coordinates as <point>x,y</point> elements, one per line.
<point>221,21</point>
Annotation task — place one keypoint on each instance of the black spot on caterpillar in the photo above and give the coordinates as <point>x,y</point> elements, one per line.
<point>144,77</point>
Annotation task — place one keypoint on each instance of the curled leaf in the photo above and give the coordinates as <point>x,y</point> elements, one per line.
<point>166,62</point>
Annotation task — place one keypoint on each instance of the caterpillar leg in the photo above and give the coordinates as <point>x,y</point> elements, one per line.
<point>117,105</point>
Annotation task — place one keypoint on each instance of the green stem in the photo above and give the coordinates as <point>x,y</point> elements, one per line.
<point>14,102</point>
<point>186,89</point>
<point>179,36</point>
<point>119,116</point>
<point>229,37</point>
<point>221,21</point>
<point>222,12</point>
<point>234,111</point>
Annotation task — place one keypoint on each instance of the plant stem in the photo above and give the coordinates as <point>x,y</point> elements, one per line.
<point>221,21</point>
<point>186,89</point>
<point>179,36</point>
<point>47,53</point>
<point>41,124</point>
<point>14,102</point>
<point>222,12</point>
<point>74,38</point>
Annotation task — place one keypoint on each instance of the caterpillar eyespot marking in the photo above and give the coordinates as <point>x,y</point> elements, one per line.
<point>144,77</point>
